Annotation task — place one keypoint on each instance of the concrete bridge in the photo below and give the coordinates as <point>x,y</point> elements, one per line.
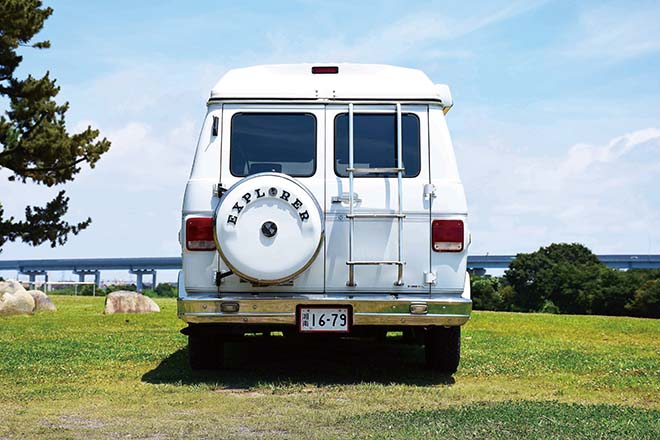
<point>84,267</point>
<point>140,267</point>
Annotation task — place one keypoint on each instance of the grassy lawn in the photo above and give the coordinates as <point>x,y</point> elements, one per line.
<point>79,374</point>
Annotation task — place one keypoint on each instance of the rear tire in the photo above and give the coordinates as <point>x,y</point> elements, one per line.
<point>205,352</point>
<point>443,349</point>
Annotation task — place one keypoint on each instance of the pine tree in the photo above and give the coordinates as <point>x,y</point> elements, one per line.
<point>35,145</point>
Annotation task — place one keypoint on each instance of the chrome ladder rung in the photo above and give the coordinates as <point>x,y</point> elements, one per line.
<point>352,170</point>
<point>374,263</point>
<point>383,215</point>
<point>374,170</point>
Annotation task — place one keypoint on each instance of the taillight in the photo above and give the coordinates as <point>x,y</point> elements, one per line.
<point>199,234</point>
<point>447,235</point>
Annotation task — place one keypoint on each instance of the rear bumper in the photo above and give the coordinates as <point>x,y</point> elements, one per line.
<point>372,310</point>
<point>382,309</point>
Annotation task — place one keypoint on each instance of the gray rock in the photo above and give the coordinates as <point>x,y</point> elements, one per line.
<point>14,300</point>
<point>41,301</point>
<point>124,301</point>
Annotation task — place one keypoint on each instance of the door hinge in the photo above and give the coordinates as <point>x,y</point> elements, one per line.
<point>218,190</point>
<point>430,278</point>
<point>429,191</point>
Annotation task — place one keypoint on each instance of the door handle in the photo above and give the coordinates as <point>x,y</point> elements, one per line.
<point>345,198</point>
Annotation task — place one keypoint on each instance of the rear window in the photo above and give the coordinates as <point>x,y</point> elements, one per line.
<point>374,143</point>
<point>280,142</point>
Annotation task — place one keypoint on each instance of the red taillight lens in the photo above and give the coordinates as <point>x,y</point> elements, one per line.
<point>199,234</point>
<point>447,235</point>
<point>325,69</point>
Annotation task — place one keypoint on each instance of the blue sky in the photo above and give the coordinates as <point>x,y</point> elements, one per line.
<point>556,122</point>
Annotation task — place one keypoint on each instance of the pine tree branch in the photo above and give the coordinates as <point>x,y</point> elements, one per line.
<point>25,135</point>
<point>48,169</point>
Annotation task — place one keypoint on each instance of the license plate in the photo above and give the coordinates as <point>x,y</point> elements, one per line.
<point>324,319</point>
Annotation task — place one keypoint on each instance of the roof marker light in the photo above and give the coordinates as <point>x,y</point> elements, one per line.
<point>325,69</point>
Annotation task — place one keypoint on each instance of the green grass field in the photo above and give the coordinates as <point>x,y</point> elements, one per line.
<point>79,374</point>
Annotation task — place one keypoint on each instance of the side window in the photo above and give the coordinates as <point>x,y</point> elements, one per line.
<point>280,142</point>
<point>374,143</point>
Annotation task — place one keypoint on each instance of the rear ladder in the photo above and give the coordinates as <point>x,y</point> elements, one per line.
<point>399,215</point>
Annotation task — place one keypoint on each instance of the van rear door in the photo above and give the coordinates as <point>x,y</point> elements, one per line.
<point>375,235</point>
<point>283,138</point>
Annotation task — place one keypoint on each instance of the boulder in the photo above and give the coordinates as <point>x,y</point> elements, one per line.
<point>124,301</point>
<point>41,301</point>
<point>14,299</point>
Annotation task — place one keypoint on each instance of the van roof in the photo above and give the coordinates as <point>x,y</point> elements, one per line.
<point>352,82</point>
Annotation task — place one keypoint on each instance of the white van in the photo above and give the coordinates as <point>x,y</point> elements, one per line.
<point>325,199</point>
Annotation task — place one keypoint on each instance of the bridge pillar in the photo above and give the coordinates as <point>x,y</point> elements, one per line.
<point>139,273</point>
<point>33,274</point>
<point>84,272</point>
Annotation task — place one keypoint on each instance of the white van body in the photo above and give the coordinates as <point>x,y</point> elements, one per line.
<point>366,238</point>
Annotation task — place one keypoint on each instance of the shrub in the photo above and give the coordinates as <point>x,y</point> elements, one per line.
<point>549,307</point>
<point>88,290</point>
<point>485,294</point>
<point>646,302</point>
<point>167,290</point>
<point>150,293</point>
<point>113,288</point>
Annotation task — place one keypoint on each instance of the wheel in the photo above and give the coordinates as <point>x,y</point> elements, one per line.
<point>414,335</point>
<point>408,336</point>
<point>205,352</point>
<point>381,335</point>
<point>443,349</point>
<point>290,332</point>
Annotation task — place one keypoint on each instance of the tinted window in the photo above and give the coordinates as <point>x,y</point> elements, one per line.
<point>281,142</point>
<point>374,140</point>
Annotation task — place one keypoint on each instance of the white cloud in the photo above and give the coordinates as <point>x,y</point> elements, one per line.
<point>604,196</point>
<point>412,34</point>
<point>151,111</point>
<point>581,156</point>
<point>612,34</point>
<point>143,157</point>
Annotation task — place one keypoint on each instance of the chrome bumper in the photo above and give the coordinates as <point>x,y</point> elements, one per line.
<point>385,310</point>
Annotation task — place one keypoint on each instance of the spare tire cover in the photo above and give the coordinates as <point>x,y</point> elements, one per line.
<point>268,228</point>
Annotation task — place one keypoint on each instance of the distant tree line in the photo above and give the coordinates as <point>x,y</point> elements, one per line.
<point>163,290</point>
<point>568,278</point>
